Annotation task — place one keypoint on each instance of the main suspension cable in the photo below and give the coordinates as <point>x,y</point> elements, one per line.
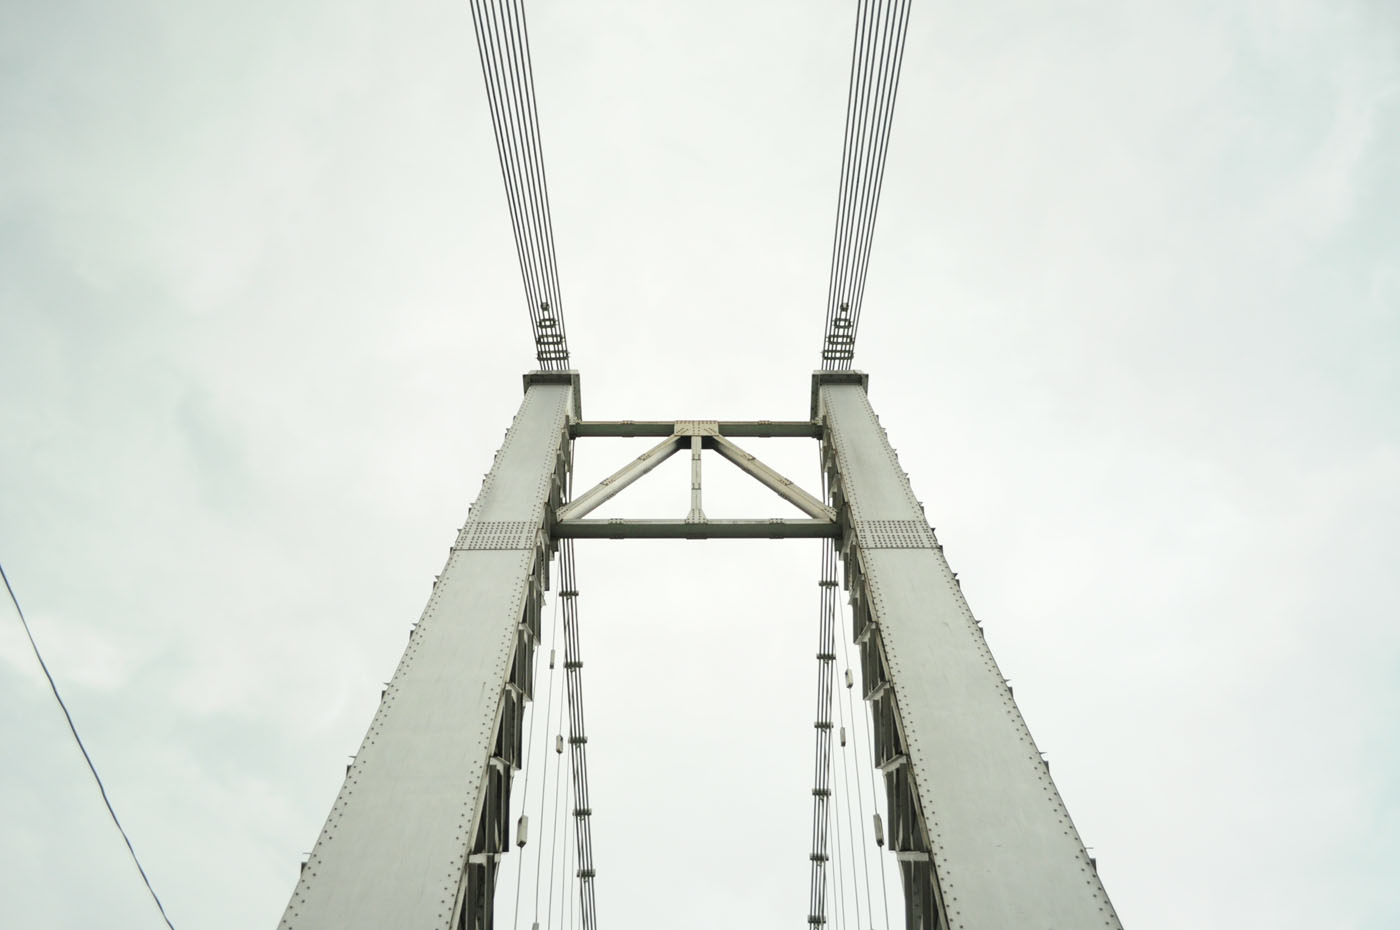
<point>578,739</point>
<point>557,820</point>
<point>570,877</point>
<point>877,55</point>
<point>507,70</point>
<point>854,838</point>
<point>876,170</point>
<point>836,859</point>
<point>821,787</point>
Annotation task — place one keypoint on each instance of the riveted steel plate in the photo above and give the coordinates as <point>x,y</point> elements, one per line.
<point>697,427</point>
<point>497,534</point>
<point>895,534</point>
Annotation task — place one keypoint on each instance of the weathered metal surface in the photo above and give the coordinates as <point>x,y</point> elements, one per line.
<point>977,824</point>
<point>428,791</point>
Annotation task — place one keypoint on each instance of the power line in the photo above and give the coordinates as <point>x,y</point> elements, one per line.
<point>79,740</point>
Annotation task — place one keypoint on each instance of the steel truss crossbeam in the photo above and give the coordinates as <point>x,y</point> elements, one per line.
<point>696,435</point>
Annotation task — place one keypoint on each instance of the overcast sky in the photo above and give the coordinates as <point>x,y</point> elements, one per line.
<point>1133,324</point>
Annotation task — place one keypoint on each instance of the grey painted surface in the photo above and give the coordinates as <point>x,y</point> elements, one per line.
<point>1004,851</point>
<point>802,429</point>
<point>394,847</point>
<point>774,528</point>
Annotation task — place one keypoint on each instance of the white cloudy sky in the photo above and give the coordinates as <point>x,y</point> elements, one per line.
<point>1133,323</point>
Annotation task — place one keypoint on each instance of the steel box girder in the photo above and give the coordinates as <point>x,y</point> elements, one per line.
<point>969,794</point>
<point>415,833</point>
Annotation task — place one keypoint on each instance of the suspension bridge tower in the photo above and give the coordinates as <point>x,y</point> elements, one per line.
<point>973,821</point>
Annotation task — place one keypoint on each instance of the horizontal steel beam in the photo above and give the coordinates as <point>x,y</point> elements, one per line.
<point>754,428</point>
<point>681,529</point>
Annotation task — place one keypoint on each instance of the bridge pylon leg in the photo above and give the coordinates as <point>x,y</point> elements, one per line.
<point>416,834</point>
<point>983,839</point>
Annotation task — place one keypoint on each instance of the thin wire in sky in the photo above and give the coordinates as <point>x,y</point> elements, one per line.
<point>79,740</point>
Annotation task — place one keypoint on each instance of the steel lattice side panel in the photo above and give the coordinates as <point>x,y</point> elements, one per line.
<point>1003,848</point>
<point>394,848</point>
